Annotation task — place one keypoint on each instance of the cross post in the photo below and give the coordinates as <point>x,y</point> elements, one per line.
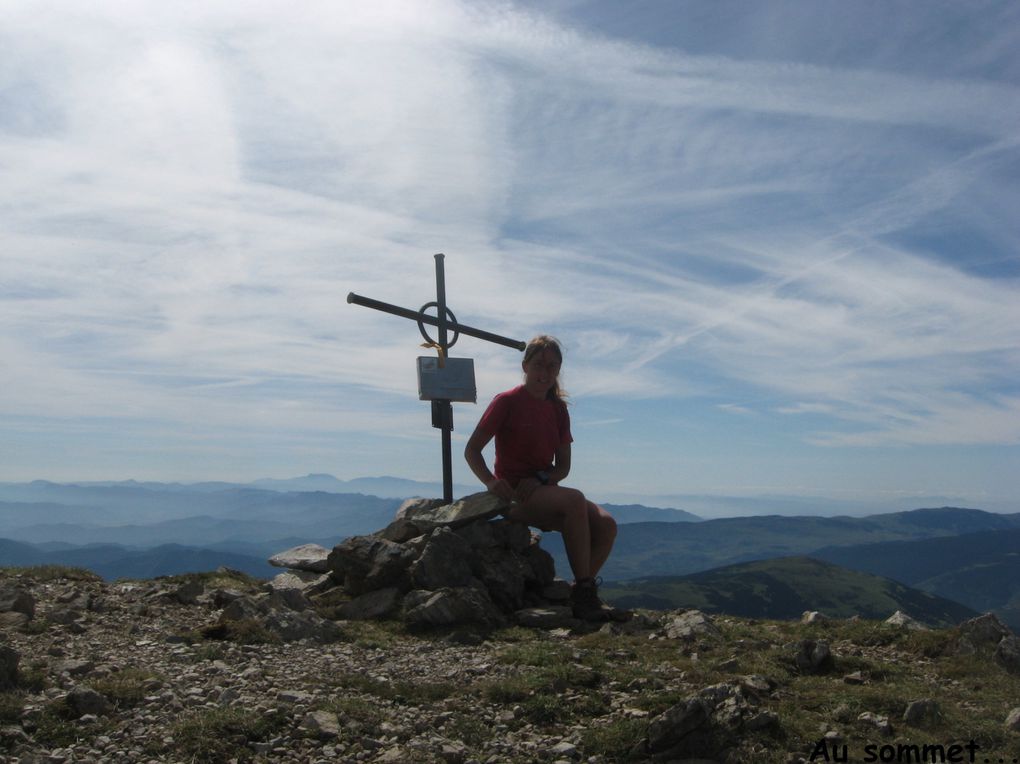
<point>445,322</point>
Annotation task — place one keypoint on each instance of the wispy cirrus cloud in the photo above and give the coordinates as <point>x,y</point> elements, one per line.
<point>191,190</point>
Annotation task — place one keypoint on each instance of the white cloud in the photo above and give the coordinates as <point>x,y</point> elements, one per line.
<point>192,189</point>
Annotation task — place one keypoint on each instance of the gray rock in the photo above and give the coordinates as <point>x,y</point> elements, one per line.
<point>9,659</point>
<point>323,725</point>
<point>986,630</point>
<point>300,580</point>
<point>477,506</point>
<point>669,729</point>
<point>292,626</point>
<point>307,557</point>
<point>364,563</point>
<point>904,621</point>
<point>416,506</point>
<point>462,605</point>
<point>13,620</point>
<point>16,599</point>
<point>188,592</point>
<point>288,599</point>
<point>377,604</point>
<point>551,617</point>
<point>813,657</point>
<point>919,713</point>
<point>74,667</point>
<point>64,614</point>
<point>505,575</point>
<point>445,562</point>
<point>84,700</point>
<point>222,597</point>
<point>1013,720</point>
<point>243,609</point>
<point>1007,654</point>
<point>692,625</point>
<point>879,723</point>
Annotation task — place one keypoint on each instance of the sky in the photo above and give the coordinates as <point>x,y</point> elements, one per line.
<point>773,238</point>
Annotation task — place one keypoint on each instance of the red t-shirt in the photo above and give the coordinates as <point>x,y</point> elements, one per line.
<point>527,431</point>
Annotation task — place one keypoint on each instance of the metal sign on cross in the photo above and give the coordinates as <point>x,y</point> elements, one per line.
<point>441,380</point>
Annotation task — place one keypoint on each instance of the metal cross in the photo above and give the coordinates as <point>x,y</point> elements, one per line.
<point>442,410</point>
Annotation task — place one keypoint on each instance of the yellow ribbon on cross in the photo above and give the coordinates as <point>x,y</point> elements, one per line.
<point>439,349</point>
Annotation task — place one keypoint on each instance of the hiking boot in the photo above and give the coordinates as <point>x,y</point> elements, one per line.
<point>586,605</point>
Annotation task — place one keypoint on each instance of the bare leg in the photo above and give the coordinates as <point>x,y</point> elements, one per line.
<point>603,535</point>
<point>588,530</point>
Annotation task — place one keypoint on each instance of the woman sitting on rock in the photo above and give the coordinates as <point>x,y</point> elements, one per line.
<point>532,430</point>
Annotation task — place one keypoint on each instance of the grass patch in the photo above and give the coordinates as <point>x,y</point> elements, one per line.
<point>56,726</point>
<point>127,688</point>
<point>45,573</point>
<point>245,631</point>
<point>614,741</point>
<point>220,735</point>
<point>222,578</point>
<point>11,706</point>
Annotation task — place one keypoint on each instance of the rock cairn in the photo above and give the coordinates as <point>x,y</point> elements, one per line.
<point>436,565</point>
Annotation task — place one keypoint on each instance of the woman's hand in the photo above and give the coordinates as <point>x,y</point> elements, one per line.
<point>501,488</point>
<point>525,489</point>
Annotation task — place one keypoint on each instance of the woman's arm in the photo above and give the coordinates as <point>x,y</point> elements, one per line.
<point>476,461</point>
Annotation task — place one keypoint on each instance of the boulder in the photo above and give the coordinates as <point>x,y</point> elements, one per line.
<point>291,626</point>
<point>84,700</point>
<point>445,562</point>
<point>904,621</point>
<point>9,659</point>
<point>700,725</point>
<point>301,580</point>
<point>365,563</point>
<point>1013,720</point>
<point>371,605</point>
<point>811,657</point>
<point>323,725</point>
<point>920,713</point>
<point>985,630</point>
<point>477,506</point>
<point>1007,654</point>
<point>550,617</point>
<point>451,606</point>
<point>16,599</point>
<point>311,558</point>
<point>691,626</point>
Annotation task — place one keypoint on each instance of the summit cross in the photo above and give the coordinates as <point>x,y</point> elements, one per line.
<point>453,379</point>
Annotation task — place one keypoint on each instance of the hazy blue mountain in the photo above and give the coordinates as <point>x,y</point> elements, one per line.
<point>234,515</point>
<point>638,513</point>
<point>645,549</point>
<point>784,588</point>
<point>112,561</point>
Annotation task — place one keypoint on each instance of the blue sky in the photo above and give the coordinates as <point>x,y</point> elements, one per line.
<point>775,238</point>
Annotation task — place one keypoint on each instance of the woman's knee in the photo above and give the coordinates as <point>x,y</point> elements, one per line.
<point>602,522</point>
<point>572,502</point>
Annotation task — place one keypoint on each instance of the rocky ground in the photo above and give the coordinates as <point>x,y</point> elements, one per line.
<point>149,671</point>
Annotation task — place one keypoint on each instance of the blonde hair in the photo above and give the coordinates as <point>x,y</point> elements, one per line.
<point>539,344</point>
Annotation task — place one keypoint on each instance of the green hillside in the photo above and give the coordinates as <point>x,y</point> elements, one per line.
<point>980,570</point>
<point>784,588</point>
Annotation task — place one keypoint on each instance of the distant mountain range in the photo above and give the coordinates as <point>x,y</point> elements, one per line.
<point>134,529</point>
